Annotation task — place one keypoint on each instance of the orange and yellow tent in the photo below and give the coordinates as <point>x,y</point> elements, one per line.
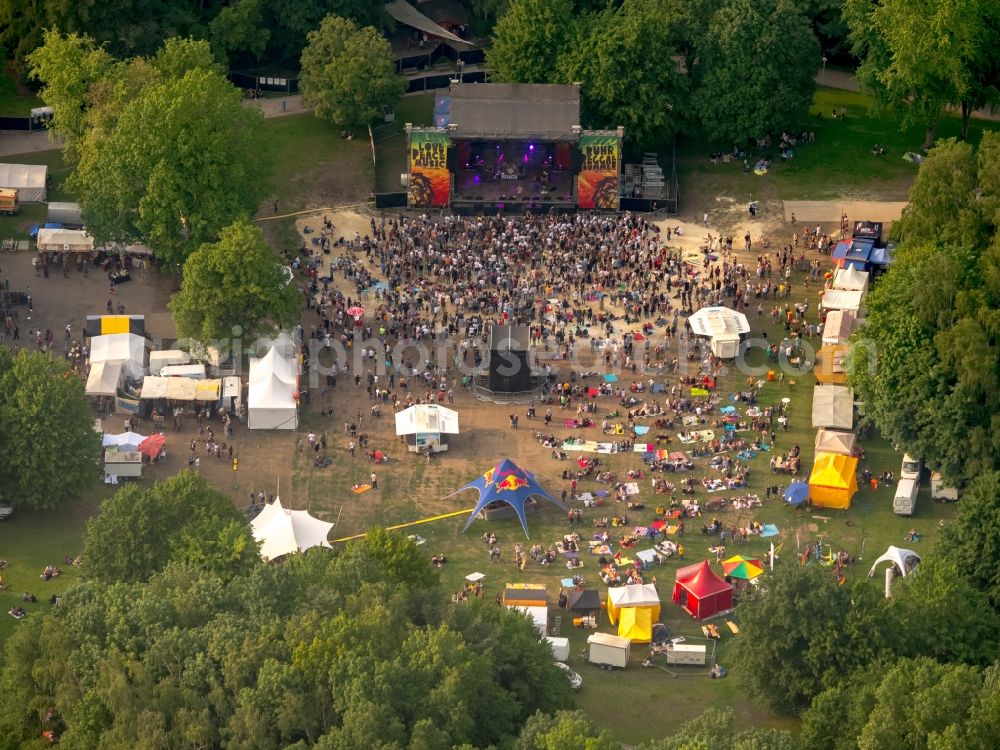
<point>833,480</point>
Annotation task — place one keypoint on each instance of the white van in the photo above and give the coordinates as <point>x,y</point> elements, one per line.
<point>196,371</point>
<point>905,501</point>
<point>941,491</point>
<point>910,468</point>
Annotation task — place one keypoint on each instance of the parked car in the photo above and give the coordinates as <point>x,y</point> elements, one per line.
<point>574,679</point>
<point>6,511</point>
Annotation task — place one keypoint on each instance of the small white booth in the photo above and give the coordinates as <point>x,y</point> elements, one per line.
<point>426,425</point>
<point>724,327</point>
<point>609,651</point>
<point>126,349</point>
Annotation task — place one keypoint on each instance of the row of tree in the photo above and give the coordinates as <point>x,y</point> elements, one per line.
<point>239,31</point>
<point>163,151</point>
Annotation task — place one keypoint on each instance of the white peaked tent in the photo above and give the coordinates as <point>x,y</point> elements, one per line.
<point>272,397</point>
<point>104,379</point>
<point>833,441</point>
<point>905,560</point>
<point>126,349</point>
<point>851,279</point>
<point>723,326</point>
<point>833,407</point>
<point>282,532</point>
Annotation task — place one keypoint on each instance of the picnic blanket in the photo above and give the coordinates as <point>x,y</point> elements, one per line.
<point>733,627</point>
<point>648,556</point>
<point>611,378</point>
<point>690,419</point>
<point>658,388</point>
<point>585,497</point>
<point>588,446</point>
<point>361,488</point>
<point>657,525</point>
<point>710,631</point>
<point>702,436</point>
<point>670,530</point>
<point>641,429</point>
<point>600,548</point>
<point>640,531</point>
<point>769,529</point>
<point>728,410</point>
<point>643,448</point>
<point>631,488</point>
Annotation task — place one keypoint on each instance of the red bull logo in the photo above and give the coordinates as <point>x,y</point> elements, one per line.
<point>511,482</point>
<point>488,476</point>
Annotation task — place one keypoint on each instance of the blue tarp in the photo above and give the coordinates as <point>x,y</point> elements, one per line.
<point>859,250</point>
<point>506,483</point>
<point>880,256</point>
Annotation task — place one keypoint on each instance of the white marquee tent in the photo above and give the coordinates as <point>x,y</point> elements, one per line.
<point>64,241</point>
<point>104,379</point>
<point>904,560</point>
<point>723,326</point>
<point>851,279</point>
<point>126,349</point>
<point>28,179</point>
<point>838,326</point>
<point>272,398</point>
<point>126,441</point>
<point>833,407</point>
<point>282,531</point>
<point>840,299</point>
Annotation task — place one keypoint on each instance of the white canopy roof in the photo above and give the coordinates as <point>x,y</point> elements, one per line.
<point>422,418</point>
<point>153,386</point>
<point>128,349</point>
<point>274,364</point>
<point>851,279</point>
<point>833,406</point>
<point>840,299</point>
<point>65,240</point>
<point>29,179</point>
<point>832,441</point>
<point>905,560</point>
<point>126,441</point>
<point>715,321</point>
<point>634,595</point>
<point>838,326</point>
<point>538,615</point>
<point>182,389</point>
<point>282,531</point>
<point>104,379</point>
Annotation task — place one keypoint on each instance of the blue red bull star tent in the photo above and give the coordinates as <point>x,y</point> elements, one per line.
<point>506,483</point>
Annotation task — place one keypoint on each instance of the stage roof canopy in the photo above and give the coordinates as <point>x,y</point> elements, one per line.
<point>523,111</point>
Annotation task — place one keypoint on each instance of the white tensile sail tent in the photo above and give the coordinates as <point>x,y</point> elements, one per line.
<point>282,531</point>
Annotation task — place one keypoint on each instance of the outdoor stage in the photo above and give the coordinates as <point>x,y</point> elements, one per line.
<point>511,147</point>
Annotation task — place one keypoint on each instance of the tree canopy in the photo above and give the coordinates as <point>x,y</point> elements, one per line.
<point>334,649</point>
<point>138,531</point>
<point>45,420</point>
<point>755,74</point>
<point>163,148</point>
<point>529,39</point>
<point>926,365</point>
<point>348,73</point>
<point>234,287</point>
<point>922,59</point>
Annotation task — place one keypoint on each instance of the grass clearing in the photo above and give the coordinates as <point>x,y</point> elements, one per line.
<point>15,100</point>
<point>839,164</point>
<point>390,140</point>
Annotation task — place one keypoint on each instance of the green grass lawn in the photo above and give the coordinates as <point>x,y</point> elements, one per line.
<point>390,140</point>
<point>15,103</point>
<point>313,165</point>
<point>838,164</point>
<point>31,540</point>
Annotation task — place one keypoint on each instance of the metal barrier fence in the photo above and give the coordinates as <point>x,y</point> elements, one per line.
<point>482,393</point>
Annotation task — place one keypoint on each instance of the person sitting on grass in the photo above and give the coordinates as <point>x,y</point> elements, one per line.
<point>439,560</point>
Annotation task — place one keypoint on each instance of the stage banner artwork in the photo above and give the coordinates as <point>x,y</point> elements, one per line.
<point>430,180</point>
<point>597,183</point>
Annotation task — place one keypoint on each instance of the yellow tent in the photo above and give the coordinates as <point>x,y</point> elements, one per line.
<point>636,624</point>
<point>833,481</point>
<point>633,595</point>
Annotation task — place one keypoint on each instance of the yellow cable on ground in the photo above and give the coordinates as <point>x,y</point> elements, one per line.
<point>411,523</point>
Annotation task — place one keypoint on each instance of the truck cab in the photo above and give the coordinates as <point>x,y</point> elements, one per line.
<point>910,468</point>
<point>8,201</point>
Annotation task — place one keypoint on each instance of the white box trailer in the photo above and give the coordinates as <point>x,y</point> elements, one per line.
<point>67,214</point>
<point>609,651</point>
<point>941,491</point>
<point>123,463</point>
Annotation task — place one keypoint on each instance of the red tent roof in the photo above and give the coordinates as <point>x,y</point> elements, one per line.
<point>701,581</point>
